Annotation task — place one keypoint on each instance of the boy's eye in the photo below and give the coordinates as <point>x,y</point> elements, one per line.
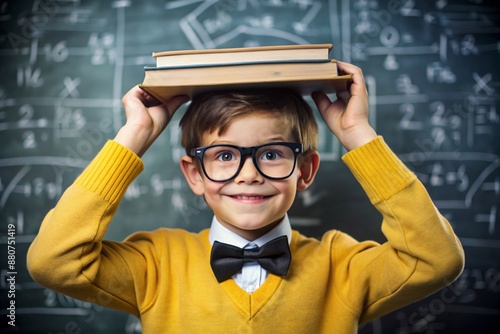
<point>270,155</point>
<point>226,156</point>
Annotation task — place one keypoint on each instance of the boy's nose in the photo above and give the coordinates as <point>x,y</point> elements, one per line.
<point>249,172</point>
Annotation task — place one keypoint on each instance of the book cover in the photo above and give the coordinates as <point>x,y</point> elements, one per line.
<point>246,54</point>
<point>240,74</point>
<point>305,87</point>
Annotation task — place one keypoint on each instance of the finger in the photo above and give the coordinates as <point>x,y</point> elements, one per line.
<point>176,102</point>
<point>321,100</point>
<point>358,85</point>
<point>328,110</point>
<point>151,102</point>
<point>133,99</point>
<point>146,99</point>
<point>347,68</point>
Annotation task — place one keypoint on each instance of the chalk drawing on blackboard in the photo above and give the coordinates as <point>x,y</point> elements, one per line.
<point>214,23</point>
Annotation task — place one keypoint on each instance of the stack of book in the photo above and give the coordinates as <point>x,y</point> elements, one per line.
<point>306,68</point>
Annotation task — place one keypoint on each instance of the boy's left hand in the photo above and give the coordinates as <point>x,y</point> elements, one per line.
<point>347,117</point>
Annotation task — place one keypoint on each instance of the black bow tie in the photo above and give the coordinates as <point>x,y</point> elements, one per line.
<point>227,260</point>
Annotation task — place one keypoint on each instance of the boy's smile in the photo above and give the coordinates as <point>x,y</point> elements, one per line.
<point>249,204</point>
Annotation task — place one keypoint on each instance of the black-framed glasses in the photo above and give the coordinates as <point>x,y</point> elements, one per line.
<point>275,161</point>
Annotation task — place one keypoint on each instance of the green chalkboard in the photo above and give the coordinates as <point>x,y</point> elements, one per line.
<point>431,70</point>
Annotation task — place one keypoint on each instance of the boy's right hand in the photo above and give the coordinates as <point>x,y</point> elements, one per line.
<point>146,119</point>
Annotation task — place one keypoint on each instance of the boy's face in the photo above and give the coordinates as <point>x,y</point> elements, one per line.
<point>249,204</point>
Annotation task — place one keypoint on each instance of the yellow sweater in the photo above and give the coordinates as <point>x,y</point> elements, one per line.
<point>164,276</point>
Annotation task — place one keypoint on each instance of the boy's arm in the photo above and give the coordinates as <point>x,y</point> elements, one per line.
<point>422,253</point>
<point>69,254</point>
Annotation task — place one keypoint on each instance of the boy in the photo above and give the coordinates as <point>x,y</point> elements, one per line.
<point>248,154</point>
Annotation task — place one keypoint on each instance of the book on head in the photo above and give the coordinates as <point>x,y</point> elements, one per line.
<point>246,54</point>
<point>303,75</point>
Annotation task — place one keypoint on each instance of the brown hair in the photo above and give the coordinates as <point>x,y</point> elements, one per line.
<point>214,111</point>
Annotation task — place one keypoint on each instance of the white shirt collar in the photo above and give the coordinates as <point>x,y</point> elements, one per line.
<point>223,234</point>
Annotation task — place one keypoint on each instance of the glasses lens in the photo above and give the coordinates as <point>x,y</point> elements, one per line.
<point>275,160</point>
<point>221,162</point>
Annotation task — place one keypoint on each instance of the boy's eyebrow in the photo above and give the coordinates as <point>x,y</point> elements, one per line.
<point>268,140</point>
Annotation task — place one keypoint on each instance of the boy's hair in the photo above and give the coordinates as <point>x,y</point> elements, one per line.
<point>214,111</point>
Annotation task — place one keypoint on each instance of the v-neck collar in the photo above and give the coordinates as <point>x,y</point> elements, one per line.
<point>251,303</point>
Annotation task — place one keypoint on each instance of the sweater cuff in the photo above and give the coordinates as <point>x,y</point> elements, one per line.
<point>111,172</point>
<point>378,170</point>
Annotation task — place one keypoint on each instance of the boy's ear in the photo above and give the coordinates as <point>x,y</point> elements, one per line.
<point>191,173</point>
<point>308,167</point>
